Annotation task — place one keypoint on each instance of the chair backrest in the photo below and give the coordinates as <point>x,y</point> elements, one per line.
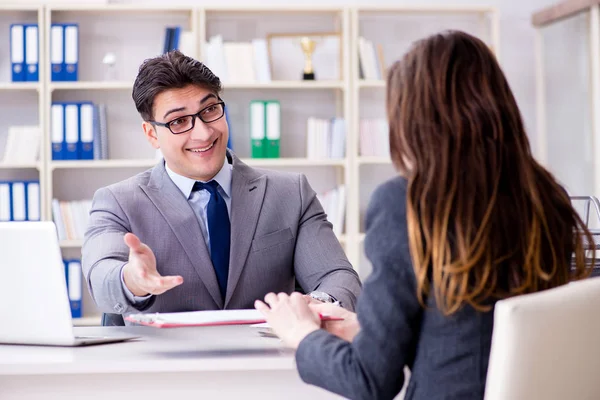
<point>112,320</point>
<point>546,345</point>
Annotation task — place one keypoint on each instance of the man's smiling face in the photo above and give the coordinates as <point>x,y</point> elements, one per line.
<point>200,152</point>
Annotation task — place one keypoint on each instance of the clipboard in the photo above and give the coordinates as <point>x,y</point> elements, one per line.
<point>202,318</point>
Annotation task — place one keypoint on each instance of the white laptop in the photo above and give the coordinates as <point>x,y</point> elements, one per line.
<point>34,303</point>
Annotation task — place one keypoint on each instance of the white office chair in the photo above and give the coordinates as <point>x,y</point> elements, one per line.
<point>546,345</point>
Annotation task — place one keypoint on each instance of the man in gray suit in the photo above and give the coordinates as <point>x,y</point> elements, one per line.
<point>202,230</point>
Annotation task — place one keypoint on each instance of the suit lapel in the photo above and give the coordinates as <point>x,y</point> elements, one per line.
<point>171,203</point>
<point>247,194</point>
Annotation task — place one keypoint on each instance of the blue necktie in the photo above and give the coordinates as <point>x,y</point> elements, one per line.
<point>219,232</point>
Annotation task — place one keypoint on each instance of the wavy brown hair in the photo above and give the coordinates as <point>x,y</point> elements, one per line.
<point>485,220</point>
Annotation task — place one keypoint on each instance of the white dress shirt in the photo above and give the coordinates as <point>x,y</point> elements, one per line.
<point>199,202</point>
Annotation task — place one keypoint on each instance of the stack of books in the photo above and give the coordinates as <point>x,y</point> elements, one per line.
<point>79,131</point>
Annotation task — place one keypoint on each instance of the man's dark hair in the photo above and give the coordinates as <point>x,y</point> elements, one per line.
<point>172,70</point>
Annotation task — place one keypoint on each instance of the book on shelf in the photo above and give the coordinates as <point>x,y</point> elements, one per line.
<point>334,206</point>
<point>64,52</point>
<point>24,52</point>
<point>74,286</point>
<point>325,138</point>
<point>371,61</point>
<point>32,53</point>
<point>238,62</point>
<point>79,131</point>
<point>22,145</point>
<point>100,132</point>
<point>177,38</point>
<point>71,218</point>
<point>20,201</point>
<point>171,38</point>
<point>230,132</point>
<point>272,128</point>
<point>374,138</point>
<point>381,61</point>
<point>257,128</point>
<point>215,57</point>
<point>260,56</point>
<point>187,44</point>
<point>265,128</point>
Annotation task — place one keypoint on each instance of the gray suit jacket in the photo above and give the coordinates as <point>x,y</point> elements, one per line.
<point>278,232</point>
<point>447,356</point>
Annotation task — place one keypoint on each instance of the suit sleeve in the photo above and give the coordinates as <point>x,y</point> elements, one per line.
<point>319,260</point>
<point>372,366</point>
<point>104,253</point>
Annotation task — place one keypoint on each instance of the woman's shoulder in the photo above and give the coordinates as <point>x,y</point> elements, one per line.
<point>387,207</point>
<point>386,241</point>
<point>391,192</point>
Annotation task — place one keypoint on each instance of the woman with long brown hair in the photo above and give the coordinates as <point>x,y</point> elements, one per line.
<point>471,219</point>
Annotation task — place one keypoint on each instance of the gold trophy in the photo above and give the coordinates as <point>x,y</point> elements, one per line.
<point>308,47</point>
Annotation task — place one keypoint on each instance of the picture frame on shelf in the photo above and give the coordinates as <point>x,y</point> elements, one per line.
<point>287,59</point>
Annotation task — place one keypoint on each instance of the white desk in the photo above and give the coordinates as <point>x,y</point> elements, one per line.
<point>207,363</point>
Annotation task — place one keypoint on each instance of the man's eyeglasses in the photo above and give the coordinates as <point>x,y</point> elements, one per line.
<point>186,123</point>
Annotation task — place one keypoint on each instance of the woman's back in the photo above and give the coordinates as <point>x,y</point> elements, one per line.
<point>447,355</point>
<point>452,354</point>
<point>480,219</point>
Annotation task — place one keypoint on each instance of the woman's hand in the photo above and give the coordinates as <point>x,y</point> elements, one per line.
<point>289,317</point>
<point>346,329</point>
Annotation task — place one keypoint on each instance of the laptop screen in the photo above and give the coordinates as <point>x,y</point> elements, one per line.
<point>35,305</point>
